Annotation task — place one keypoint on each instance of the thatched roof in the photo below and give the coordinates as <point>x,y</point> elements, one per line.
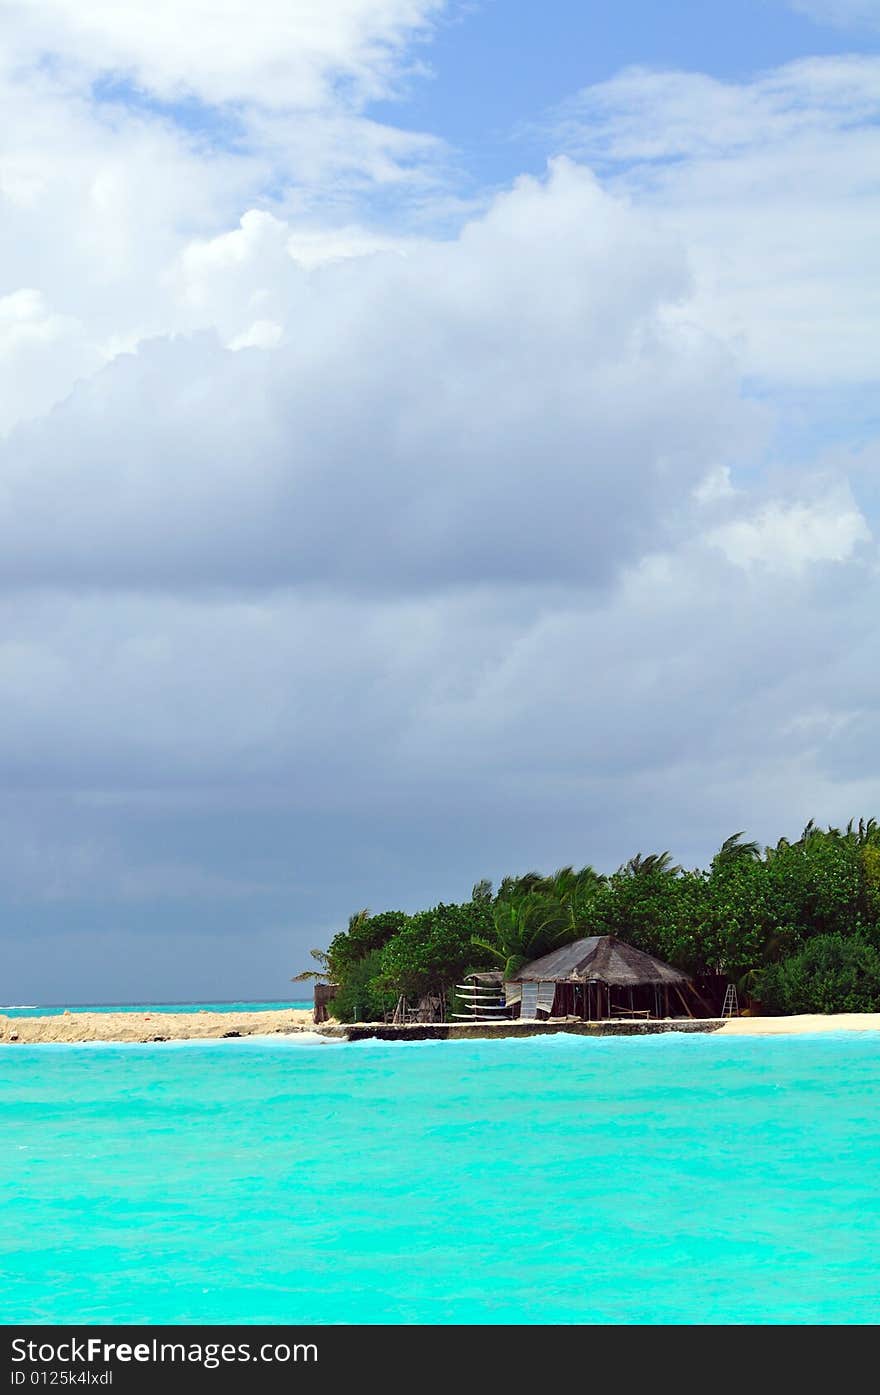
<point>603,958</point>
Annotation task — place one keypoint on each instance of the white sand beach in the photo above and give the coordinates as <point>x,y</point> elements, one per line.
<point>153,1026</point>
<point>794,1026</point>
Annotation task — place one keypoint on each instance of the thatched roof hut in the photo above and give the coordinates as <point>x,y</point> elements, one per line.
<point>601,958</point>
<point>591,977</point>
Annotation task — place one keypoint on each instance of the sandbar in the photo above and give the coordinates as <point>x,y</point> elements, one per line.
<point>153,1026</point>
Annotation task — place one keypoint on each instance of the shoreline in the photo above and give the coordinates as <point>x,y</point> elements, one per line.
<point>806,1025</point>
<point>147,1028</point>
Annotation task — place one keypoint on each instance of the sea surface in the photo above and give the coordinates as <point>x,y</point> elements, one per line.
<point>671,1179</point>
<point>56,1009</point>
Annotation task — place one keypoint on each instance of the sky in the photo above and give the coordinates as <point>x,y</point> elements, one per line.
<point>437,440</point>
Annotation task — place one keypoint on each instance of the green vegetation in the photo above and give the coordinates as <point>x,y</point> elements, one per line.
<point>795,925</point>
<point>830,974</point>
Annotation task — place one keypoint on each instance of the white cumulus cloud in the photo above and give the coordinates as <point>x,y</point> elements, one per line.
<point>267,52</point>
<point>790,536</point>
<point>767,182</point>
<point>514,404</point>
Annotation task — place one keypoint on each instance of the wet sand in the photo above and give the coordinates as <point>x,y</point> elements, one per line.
<point>154,1026</point>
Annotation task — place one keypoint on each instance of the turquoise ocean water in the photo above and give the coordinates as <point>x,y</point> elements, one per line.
<point>56,1009</point>
<point>668,1179</point>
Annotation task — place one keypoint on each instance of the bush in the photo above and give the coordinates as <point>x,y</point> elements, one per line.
<point>832,973</point>
<point>360,997</point>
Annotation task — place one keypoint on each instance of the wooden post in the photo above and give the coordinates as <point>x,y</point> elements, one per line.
<point>684,1000</point>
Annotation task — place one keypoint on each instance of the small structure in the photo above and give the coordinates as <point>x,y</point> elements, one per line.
<point>482,998</point>
<point>324,994</point>
<point>597,978</point>
<point>431,1007</point>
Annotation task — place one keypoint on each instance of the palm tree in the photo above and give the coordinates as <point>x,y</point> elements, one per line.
<point>643,866</point>
<point>322,974</point>
<point>771,852</point>
<point>512,887</point>
<point>733,849</point>
<point>527,928</point>
<point>866,835</point>
<point>567,884</point>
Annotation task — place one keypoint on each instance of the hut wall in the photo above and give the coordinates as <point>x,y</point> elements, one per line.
<point>324,994</point>
<point>546,997</point>
<point>529,1000</point>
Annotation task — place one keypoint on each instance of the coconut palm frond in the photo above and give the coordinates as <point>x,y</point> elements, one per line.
<point>323,973</point>
<point>652,863</point>
<point>733,849</point>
